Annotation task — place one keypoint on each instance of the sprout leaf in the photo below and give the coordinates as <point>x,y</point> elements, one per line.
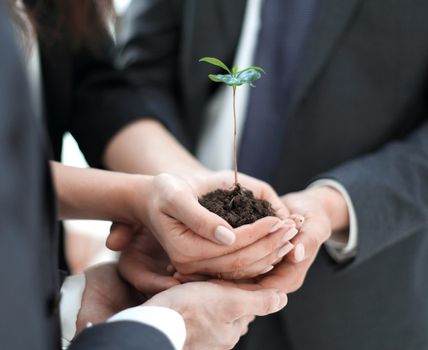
<point>216,62</point>
<point>228,79</point>
<point>248,76</point>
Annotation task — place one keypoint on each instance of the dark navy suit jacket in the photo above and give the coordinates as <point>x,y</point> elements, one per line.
<point>29,287</point>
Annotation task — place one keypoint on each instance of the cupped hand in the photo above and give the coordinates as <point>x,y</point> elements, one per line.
<point>316,228</point>
<point>217,314</point>
<point>145,265</point>
<point>143,262</point>
<point>192,236</point>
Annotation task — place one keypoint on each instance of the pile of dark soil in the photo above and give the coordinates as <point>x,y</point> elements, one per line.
<point>237,206</point>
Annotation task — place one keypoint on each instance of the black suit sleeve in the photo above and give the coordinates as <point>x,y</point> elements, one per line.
<point>103,99</point>
<point>149,52</point>
<point>121,335</point>
<point>106,98</point>
<point>389,190</point>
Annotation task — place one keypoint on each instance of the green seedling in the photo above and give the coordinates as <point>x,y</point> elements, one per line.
<point>234,78</point>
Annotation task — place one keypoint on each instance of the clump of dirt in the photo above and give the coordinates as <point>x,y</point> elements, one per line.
<point>237,206</point>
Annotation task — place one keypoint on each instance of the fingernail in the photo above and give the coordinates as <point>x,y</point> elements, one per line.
<point>285,250</point>
<point>299,252</point>
<point>266,270</point>
<point>276,227</point>
<point>291,233</point>
<point>277,261</point>
<point>224,235</point>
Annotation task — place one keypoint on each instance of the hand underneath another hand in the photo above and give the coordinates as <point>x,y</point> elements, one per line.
<point>217,314</point>
<point>323,209</point>
<point>105,294</point>
<point>143,262</point>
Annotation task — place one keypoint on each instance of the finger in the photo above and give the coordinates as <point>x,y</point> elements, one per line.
<point>119,237</point>
<point>243,258</point>
<point>261,267</point>
<point>190,278</point>
<point>298,255</point>
<point>311,235</point>
<point>142,278</point>
<point>298,219</point>
<point>185,208</point>
<point>243,323</point>
<point>248,234</point>
<point>239,302</point>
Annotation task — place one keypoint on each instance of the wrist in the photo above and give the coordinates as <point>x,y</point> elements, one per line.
<point>334,205</point>
<point>137,197</point>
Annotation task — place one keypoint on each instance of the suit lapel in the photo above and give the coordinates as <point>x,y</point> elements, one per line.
<point>329,23</point>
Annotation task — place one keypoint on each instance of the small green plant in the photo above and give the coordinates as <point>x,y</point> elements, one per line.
<point>234,78</point>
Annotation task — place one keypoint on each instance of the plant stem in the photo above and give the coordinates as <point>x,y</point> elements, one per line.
<point>235,160</point>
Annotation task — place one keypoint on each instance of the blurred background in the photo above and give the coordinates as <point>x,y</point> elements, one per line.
<point>86,238</point>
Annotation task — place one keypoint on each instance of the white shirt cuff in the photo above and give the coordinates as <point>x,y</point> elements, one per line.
<point>71,301</point>
<point>342,245</point>
<point>163,319</point>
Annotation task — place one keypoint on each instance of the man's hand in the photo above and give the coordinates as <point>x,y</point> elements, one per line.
<point>217,314</point>
<point>105,294</point>
<point>324,209</point>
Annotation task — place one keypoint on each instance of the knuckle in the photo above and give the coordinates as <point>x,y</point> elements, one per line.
<point>234,310</point>
<point>239,263</point>
<point>162,178</point>
<point>200,226</point>
<point>181,261</point>
<point>180,258</point>
<point>268,302</point>
<point>172,196</point>
<point>237,275</point>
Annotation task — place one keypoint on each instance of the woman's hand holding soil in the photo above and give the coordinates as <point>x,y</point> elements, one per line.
<point>174,209</point>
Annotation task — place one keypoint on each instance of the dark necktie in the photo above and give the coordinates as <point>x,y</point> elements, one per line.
<point>284,27</point>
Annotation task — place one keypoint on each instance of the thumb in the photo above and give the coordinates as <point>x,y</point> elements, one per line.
<point>261,302</point>
<point>119,237</point>
<point>200,220</point>
<point>266,301</point>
